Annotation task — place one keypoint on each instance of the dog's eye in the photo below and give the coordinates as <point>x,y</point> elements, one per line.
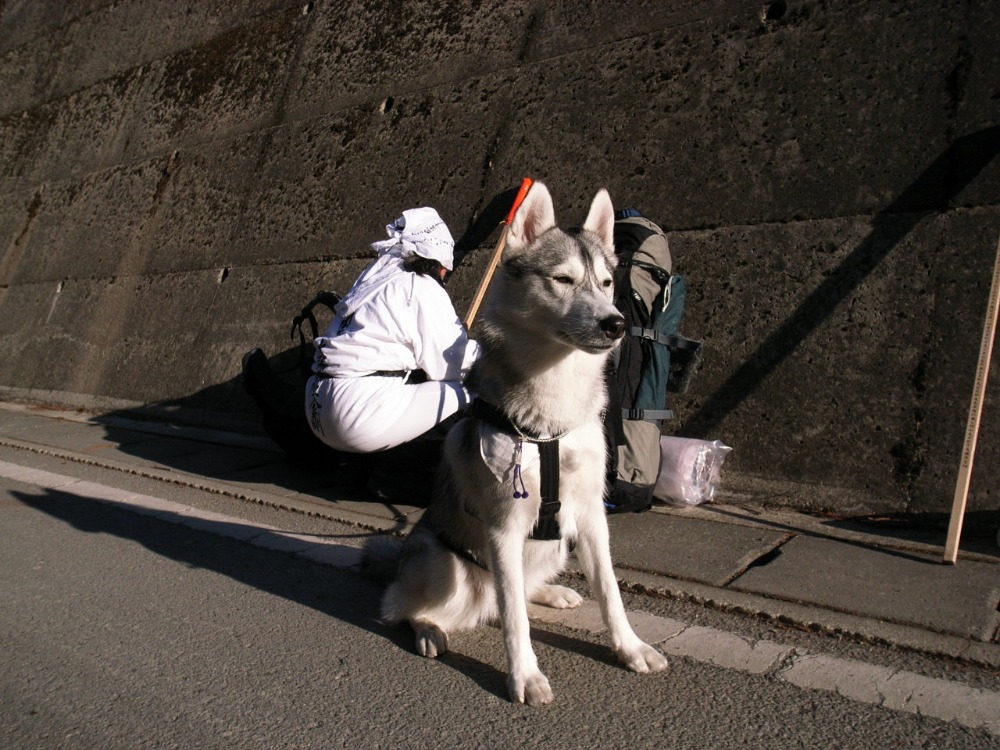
<point>563,279</point>
<point>606,283</point>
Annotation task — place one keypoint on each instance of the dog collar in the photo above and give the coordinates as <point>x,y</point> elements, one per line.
<point>497,417</point>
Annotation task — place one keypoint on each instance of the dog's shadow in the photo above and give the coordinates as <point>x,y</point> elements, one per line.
<point>345,595</point>
<point>494,681</point>
<point>338,593</point>
<point>489,679</point>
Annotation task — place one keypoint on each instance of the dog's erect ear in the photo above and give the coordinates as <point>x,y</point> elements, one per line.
<point>601,219</point>
<point>534,217</point>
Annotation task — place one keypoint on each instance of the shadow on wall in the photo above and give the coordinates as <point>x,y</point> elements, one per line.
<point>229,397</point>
<point>228,402</point>
<point>947,175</point>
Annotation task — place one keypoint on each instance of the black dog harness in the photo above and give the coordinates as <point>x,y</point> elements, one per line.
<point>546,525</point>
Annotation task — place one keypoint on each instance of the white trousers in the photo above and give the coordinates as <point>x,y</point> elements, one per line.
<point>364,415</point>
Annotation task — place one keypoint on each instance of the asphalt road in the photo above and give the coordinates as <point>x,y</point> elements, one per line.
<point>122,631</point>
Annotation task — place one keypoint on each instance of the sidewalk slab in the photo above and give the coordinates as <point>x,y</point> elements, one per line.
<point>58,433</point>
<point>12,422</point>
<point>688,548</point>
<point>902,587</point>
<point>218,460</point>
<point>180,454</point>
<point>279,478</point>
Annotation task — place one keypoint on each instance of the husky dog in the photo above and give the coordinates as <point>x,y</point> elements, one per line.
<point>546,330</point>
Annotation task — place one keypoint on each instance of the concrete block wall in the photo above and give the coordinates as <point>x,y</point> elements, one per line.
<point>177,178</point>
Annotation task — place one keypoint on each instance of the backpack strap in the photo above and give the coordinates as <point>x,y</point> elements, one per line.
<point>328,299</point>
<point>662,275</point>
<point>674,342</point>
<point>649,415</point>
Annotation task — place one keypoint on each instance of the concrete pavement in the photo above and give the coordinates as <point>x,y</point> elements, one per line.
<point>878,582</point>
<point>164,629</point>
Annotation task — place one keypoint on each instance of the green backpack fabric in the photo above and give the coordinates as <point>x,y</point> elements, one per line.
<point>651,360</point>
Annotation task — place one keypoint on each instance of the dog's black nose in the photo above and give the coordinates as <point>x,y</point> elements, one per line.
<point>613,326</point>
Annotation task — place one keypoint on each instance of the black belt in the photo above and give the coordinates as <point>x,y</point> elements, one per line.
<point>416,376</point>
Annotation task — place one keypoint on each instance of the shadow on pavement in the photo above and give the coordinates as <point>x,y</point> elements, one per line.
<point>978,532</point>
<point>348,597</point>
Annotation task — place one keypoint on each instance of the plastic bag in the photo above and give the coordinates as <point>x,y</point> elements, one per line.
<point>690,470</point>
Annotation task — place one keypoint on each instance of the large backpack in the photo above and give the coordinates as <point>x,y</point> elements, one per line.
<point>651,360</point>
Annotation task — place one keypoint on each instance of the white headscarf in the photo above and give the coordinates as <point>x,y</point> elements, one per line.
<point>419,231</point>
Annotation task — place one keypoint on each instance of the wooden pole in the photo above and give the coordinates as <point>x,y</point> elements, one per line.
<point>972,427</point>
<point>477,300</point>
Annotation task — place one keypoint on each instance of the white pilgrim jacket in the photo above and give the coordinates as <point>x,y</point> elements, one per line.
<point>409,323</point>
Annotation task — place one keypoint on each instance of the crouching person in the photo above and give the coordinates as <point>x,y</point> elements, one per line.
<point>388,370</point>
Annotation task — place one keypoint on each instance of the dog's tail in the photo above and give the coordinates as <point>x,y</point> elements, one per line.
<point>380,558</point>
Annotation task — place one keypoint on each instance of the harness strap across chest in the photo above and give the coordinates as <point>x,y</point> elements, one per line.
<point>546,525</point>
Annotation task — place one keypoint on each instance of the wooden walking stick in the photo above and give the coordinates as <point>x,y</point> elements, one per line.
<point>470,316</point>
<point>972,427</point>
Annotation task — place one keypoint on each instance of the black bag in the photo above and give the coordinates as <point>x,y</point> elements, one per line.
<point>401,474</point>
<point>280,393</point>
<point>651,360</point>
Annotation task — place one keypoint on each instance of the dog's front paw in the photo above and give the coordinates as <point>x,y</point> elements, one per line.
<point>557,597</point>
<point>432,642</point>
<point>643,658</point>
<point>532,689</point>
